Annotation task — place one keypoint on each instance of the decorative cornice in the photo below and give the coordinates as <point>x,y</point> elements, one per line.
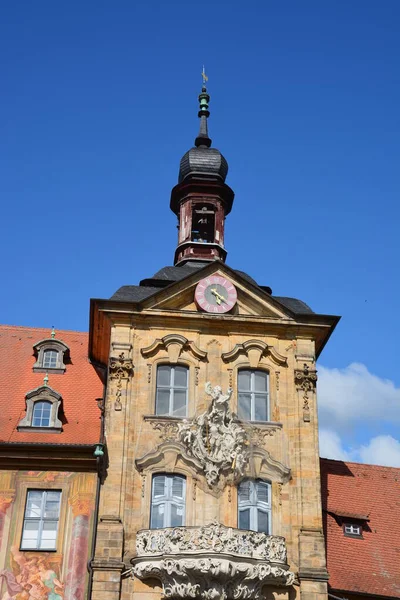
<point>255,350</point>
<point>174,344</point>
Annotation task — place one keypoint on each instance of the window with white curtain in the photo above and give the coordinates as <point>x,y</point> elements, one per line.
<point>168,501</point>
<point>42,513</point>
<point>172,390</point>
<point>254,505</point>
<point>253,402</point>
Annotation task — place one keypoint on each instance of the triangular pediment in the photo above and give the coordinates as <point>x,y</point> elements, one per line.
<point>251,299</point>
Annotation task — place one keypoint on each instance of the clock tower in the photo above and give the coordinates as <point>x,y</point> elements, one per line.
<point>212,481</point>
<point>201,200</point>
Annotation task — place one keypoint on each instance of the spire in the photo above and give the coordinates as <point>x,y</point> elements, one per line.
<point>203,139</point>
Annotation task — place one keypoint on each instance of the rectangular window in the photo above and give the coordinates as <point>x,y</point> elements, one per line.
<point>254,505</point>
<point>168,500</point>
<point>42,513</point>
<point>352,530</point>
<point>172,391</point>
<point>253,395</point>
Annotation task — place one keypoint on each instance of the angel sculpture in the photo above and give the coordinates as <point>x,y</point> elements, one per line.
<point>219,400</point>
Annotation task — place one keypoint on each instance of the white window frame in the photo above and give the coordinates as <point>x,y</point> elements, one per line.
<point>253,505</point>
<point>172,388</point>
<point>35,407</point>
<point>56,358</point>
<point>253,393</point>
<point>41,519</point>
<point>167,499</point>
<point>352,529</point>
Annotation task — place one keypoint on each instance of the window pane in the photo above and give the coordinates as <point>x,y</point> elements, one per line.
<point>260,407</point>
<point>30,534</point>
<point>158,486</point>
<point>41,414</point>
<point>157,516</point>
<point>50,358</point>
<point>164,375</point>
<point>263,521</point>
<point>49,535</point>
<point>178,485</point>
<point>180,379</point>
<point>262,492</point>
<point>244,407</point>
<point>162,403</point>
<point>176,515</point>
<point>179,403</point>
<point>244,492</point>
<point>34,504</point>
<point>260,381</point>
<point>244,380</point>
<point>244,519</point>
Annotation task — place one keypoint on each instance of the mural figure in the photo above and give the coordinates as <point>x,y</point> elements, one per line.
<point>31,578</point>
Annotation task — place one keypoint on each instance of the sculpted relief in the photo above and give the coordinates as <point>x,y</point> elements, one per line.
<point>216,439</point>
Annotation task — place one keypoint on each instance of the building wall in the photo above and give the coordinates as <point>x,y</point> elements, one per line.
<point>56,575</point>
<point>132,432</point>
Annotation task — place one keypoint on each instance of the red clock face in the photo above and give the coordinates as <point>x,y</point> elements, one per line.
<point>215,294</point>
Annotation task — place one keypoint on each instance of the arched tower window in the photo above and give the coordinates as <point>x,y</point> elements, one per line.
<point>168,501</point>
<point>253,404</point>
<point>254,505</point>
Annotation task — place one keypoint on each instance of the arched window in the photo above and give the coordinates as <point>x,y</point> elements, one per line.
<point>168,500</point>
<point>41,414</point>
<point>50,359</point>
<point>253,404</point>
<point>172,390</point>
<point>254,505</point>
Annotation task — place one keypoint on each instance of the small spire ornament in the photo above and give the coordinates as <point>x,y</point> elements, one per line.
<point>53,332</point>
<point>46,379</point>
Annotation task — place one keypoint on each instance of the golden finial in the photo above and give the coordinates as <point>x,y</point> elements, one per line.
<point>204,76</point>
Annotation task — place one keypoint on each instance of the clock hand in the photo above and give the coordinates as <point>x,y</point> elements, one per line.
<point>218,296</point>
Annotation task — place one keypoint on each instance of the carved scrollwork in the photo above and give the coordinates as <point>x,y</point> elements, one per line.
<point>174,344</point>
<point>255,350</point>
<point>120,368</point>
<point>306,380</point>
<point>168,429</point>
<point>259,435</point>
<point>216,438</point>
<point>211,562</point>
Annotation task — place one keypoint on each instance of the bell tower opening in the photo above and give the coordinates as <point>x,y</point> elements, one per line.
<point>203,224</point>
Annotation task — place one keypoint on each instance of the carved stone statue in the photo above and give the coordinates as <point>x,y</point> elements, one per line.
<point>216,438</point>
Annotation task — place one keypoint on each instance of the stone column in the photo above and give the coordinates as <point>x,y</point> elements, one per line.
<point>82,503</point>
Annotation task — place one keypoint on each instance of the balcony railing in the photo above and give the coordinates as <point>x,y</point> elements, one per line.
<point>212,562</point>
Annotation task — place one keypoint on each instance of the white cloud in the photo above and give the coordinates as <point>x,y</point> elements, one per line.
<point>349,398</point>
<point>381,450</point>
<point>354,394</point>
<point>330,445</point>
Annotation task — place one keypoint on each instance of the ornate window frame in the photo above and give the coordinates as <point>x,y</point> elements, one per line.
<point>50,344</point>
<point>42,394</point>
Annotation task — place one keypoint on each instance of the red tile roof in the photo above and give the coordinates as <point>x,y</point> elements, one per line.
<point>370,565</point>
<point>79,387</point>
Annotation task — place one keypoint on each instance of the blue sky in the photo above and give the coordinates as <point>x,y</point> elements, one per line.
<point>98,104</point>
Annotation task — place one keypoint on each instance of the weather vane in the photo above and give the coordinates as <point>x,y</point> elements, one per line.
<point>204,76</point>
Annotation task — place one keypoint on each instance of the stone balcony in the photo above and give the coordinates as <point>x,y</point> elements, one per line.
<point>212,562</point>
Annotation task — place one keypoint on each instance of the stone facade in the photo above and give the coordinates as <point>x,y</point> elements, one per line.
<point>169,329</point>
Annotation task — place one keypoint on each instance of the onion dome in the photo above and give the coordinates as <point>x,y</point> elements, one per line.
<point>202,161</point>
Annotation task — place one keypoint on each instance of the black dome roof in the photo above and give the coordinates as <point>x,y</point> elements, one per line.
<point>203,162</point>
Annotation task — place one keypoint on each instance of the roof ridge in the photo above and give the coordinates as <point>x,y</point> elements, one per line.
<point>359,464</point>
<point>29,328</point>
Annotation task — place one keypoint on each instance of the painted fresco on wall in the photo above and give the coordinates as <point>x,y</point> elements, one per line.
<point>36,575</point>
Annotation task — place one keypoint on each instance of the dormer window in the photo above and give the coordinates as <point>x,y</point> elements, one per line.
<point>352,530</point>
<point>42,411</point>
<point>51,355</point>
<point>41,414</point>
